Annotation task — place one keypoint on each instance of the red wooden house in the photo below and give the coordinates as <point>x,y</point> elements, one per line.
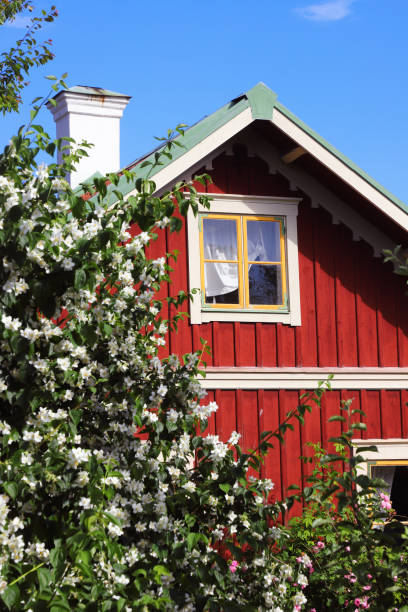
<point>293,284</point>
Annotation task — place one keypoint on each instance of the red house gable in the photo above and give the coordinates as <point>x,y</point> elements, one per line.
<point>293,284</point>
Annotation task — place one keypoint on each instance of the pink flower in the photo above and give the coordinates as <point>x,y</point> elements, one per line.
<point>385,502</point>
<point>234,566</point>
<point>348,548</point>
<point>369,576</point>
<point>357,602</point>
<point>320,545</point>
<point>350,577</point>
<point>367,587</point>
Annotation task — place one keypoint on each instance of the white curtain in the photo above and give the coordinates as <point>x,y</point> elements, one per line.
<point>220,242</point>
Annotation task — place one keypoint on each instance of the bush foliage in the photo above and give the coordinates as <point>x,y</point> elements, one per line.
<point>113,495</point>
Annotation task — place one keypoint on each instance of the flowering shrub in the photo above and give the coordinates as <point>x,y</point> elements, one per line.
<point>356,551</point>
<point>112,496</point>
<point>93,517</point>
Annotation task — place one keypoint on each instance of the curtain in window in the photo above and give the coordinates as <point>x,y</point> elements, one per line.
<point>220,243</point>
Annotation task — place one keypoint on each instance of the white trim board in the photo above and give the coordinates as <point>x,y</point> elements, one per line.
<point>349,176</point>
<point>304,378</point>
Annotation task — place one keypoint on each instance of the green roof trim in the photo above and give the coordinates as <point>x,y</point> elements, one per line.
<point>192,137</point>
<point>262,101</point>
<point>303,126</point>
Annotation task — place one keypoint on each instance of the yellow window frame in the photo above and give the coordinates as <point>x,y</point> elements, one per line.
<point>281,263</point>
<point>243,263</point>
<point>238,261</point>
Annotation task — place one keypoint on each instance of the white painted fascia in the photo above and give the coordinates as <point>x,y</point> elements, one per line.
<point>247,205</point>
<point>304,378</point>
<point>338,167</point>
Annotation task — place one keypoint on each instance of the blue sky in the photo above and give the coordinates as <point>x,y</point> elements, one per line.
<point>340,65</point>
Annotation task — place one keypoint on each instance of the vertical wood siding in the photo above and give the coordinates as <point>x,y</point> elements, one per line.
<point>252,412</point>
<point>353,306</point>
<point>353,314</point>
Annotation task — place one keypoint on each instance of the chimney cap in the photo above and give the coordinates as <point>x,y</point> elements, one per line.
<point>92,91</point>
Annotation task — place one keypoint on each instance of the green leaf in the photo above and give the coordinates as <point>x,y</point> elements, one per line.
<point>11,488</point>
<point>319,522</point>
<point>80,279</point>
<point>44,577</point>
<point>11,596</point>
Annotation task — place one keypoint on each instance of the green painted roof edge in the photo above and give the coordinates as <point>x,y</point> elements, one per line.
<point>262,101</point>
<point>192,136</point>
<point>303,126</point>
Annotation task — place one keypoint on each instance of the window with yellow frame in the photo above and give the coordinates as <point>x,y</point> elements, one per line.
<point>243,262</point>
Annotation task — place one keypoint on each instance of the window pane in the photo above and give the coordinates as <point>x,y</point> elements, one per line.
<point>265,284</point>
<point>220,239</point>
<point>221,283</point>
<point>399,492</point>
<point>386,473</point>
<point>263,241</point>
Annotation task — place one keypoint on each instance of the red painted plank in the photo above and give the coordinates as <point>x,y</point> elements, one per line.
<point>366,302</point>
<point>245,349</point>
<point>258,177</point>
<point>330,407</point>
<point>268,405</point>
<point>401,305</point>
<point>386,315</point>
<point>247,421</point>
<point>345,298</point>
<point>306,334</point>
<point>266,344</point>
<point>325,297</point>
<point>354,396</point>
<point>291,449</point>
<point>391,425</point>
<point>218,175</point>
<point>237,171</point>
<point>285,341</point>
<point>404,412</point>
<point>311,432</point>
<point>370,404</point>
<point>226,415</point>
<point>223,344</point>
<point>203,331</point>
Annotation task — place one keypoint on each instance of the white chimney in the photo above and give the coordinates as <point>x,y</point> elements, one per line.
<point>91,114</point>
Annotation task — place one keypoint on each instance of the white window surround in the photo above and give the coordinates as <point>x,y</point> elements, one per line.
<point>247,205</point>
<point>390,451</point>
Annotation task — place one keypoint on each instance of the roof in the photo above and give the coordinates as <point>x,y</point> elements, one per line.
<point>94,91</point>
<point>260,103</point>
